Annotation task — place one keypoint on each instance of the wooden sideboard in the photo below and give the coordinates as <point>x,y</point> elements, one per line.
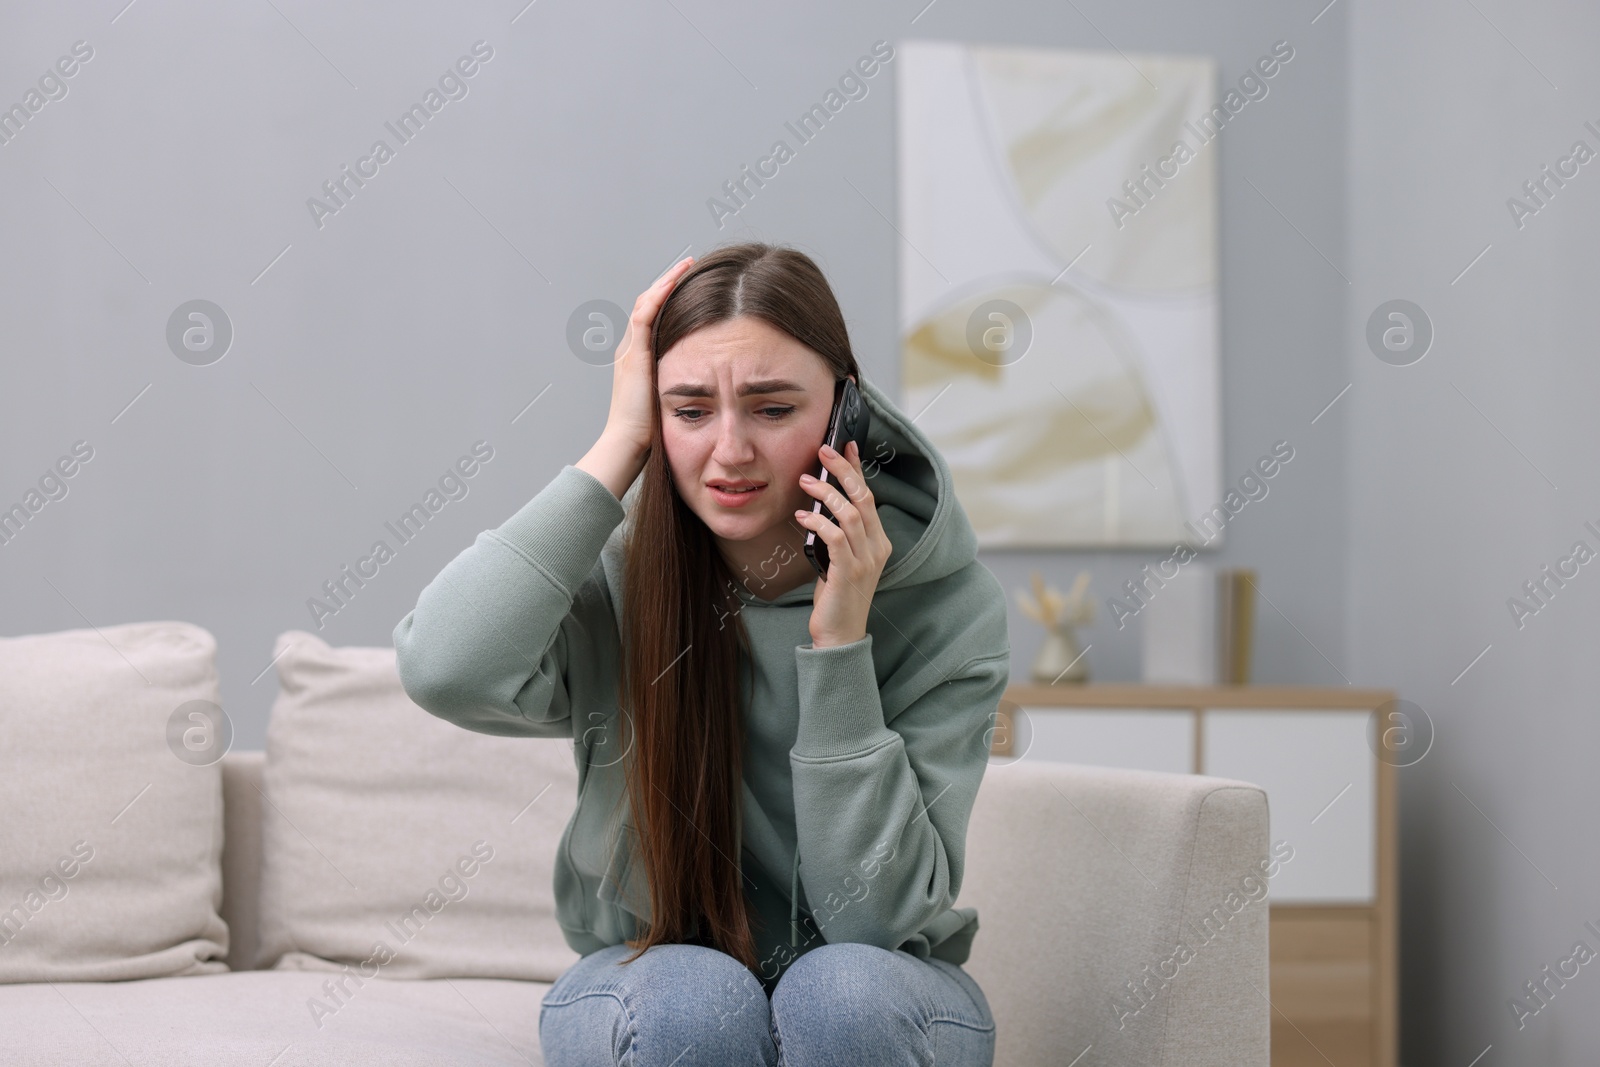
<point>1334,907</point>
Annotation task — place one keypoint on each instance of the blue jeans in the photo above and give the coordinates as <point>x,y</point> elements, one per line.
<point>839,1005</point>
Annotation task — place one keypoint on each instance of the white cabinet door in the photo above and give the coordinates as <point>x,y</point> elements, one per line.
<point>1137,738</point>
<point>1319,774</point>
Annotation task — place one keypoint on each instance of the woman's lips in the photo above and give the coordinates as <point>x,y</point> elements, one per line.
<point>735,500</point>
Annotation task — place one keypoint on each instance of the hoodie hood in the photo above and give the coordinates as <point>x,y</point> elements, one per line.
<point>915,497</point>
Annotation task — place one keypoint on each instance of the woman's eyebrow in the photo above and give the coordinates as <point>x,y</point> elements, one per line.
<point>763,387</point>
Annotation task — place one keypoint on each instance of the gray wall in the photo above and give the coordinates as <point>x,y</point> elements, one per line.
<point>428,312</point>
<point>1470,471</point>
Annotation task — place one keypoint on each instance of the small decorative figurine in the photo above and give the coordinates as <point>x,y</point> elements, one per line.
<point>1059,659</point>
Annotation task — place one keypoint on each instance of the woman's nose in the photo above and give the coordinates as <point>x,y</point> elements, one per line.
<point>733,443</point>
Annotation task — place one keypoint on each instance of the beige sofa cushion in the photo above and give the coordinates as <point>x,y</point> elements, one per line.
<point>110,843</point>
<point>399,844</point>
<point>273,1019</point>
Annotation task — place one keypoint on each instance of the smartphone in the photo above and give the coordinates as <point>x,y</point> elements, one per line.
<point>849,421</point>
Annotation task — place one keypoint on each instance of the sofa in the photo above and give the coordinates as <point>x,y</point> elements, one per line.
<point>228,912</point>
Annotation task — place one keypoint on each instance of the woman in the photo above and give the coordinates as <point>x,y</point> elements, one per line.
<point>775,772</point>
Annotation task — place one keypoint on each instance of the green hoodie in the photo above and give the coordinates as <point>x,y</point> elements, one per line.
<point>861,762</point>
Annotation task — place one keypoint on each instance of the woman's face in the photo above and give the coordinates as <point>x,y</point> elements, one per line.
<point>741,402</point>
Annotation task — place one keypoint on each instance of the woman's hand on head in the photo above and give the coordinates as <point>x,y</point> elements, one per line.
<point>633,391</point>
<point>858,549</point>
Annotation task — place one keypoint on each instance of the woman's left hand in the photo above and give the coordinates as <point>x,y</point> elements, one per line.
<point>857,549</point>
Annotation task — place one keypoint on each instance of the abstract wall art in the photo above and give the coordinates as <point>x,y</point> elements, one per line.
<point>1058,287</point>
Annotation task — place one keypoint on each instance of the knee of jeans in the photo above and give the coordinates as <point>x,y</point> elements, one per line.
<point>853,1003</point>
<point>674,980</point>
<point>691,969</point>
<point>866,977</point>
<point>593,971</point>
<point>581,1025</point>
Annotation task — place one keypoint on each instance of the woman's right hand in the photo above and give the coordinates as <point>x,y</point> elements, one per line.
<point>633,394</point>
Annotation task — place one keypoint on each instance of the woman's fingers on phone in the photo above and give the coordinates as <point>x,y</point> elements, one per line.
<point>846,469</point>
<point>851,483</point>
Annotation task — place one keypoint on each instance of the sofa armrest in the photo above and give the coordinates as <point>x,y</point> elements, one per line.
<point>241,855</point>
<point>1120,912</point>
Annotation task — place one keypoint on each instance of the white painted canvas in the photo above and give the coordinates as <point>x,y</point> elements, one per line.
<point>1061,350</point>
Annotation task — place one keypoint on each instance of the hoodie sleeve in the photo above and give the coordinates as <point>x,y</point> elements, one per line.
<point>496,638</point>
<point>881,813</point>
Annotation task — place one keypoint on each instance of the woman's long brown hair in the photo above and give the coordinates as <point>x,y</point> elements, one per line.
<point>682,631</point>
